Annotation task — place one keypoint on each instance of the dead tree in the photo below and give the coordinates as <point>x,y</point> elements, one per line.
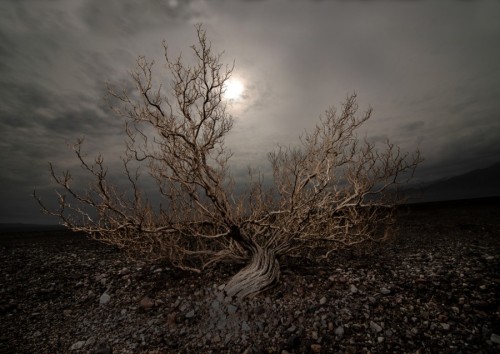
<point>333,190</point>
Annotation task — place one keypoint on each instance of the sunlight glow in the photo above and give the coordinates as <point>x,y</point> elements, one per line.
<point>234,89</point>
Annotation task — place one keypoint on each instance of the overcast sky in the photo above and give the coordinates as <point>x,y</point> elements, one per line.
<point>429,69</point>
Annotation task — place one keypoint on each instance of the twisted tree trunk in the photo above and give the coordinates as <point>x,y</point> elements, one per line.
<point>262,272</point>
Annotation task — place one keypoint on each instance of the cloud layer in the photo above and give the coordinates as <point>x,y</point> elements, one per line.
<point>430,71</point>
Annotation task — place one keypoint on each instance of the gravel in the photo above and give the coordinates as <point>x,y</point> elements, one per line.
<point>433,289</point>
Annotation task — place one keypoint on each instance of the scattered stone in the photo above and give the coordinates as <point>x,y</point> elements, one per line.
<point>375,327</point>
<point>89,342</point>
<point>385,291</point>
<point>146,303</point>
<point>124,271</point>
<point>215,304</point>
<point>245,327</point>
<point>171,318</point>
<point>339,331</point>
<point>495,338</point>
<point>104,299</point>
<point>314,335</point>
<point>316,348</point>
<point>78,345</point>
<point>445,326</point>
<point>63,292</point>
<point>231,309</point>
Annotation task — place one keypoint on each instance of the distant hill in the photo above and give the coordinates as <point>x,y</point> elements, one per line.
<point>478,183</point>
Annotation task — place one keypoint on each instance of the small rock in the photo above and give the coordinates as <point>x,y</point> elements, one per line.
<point>339,331</point>
<point>380,339</point>
<point>245,327</point>
<point>353,289</point>
<point>385,291</point>
<point>221,287</point>
<point>90,342</point>
<point>77,345</point>
<point>292,329</point>
<point>322,301</point>
<point>495,338</point>
<point>330,326</point>
<point>146,303</point>
<point>445,326</point>
<point>375,327</point>
<point>316,348</point>
<point>124,271</point>
<point>231,309</point>
<point>171,319</point>
<point>104,299</point>
<point>190,314</point>
<point>314,335</point>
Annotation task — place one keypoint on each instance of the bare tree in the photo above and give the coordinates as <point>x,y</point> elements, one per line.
<point>332,191</point>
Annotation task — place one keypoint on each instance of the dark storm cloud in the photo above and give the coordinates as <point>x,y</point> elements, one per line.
<point>130,16</point>
<point>429,69</point>
<point>411,127</point>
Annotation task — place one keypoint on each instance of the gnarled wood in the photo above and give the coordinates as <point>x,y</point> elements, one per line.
<point>262,272</point>
<point>332,190</point>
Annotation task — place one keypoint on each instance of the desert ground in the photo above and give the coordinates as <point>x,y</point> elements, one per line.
<point>432,289</point>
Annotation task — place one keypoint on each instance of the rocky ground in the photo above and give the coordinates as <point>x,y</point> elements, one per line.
<point>432,290</point>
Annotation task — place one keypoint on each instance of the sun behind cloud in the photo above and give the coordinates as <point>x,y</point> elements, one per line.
<point>234,89</point>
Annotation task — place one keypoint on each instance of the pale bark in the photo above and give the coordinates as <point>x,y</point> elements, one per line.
<point>262,272</point>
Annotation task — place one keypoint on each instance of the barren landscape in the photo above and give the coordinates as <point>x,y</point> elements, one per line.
<point>433,289</point>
